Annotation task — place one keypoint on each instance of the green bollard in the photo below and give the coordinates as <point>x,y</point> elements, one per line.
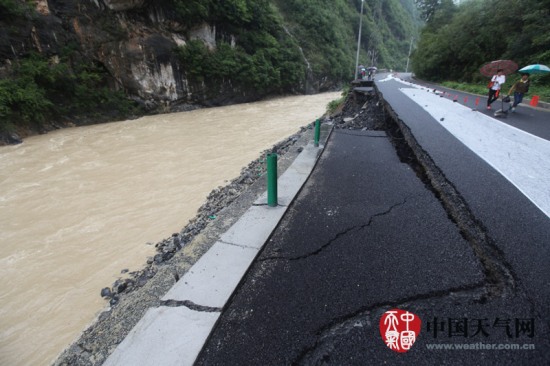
<point>271,180</point>
<point>317,132</point>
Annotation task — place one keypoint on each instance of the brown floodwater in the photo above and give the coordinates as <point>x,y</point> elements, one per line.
<point>79,205</point>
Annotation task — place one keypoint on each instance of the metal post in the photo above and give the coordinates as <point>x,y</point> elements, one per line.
<point>358,41</point>
<point>271,180</point>
<point>409,55</point>
<point>317,132</point>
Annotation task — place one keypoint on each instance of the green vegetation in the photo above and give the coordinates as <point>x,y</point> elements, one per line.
<point>11,8</point>
<point>263,58</point>
<point>470,88</point>
<point>268,35</point>
<point>327,31</point>
<point>458,40</point>
<point>326,34</point>
<point>266,70</point>
<point>39,89</point>
<point>333,105</point>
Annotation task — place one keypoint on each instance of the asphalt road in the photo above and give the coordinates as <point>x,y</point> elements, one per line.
<point>533,120</point>
<point>365,235</point>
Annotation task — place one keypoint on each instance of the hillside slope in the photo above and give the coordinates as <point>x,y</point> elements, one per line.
<point>65,62</point>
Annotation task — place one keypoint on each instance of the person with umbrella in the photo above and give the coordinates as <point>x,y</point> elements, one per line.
<point>502,68</point>
<point>494,87</point>
<point>372,70</point>
<point>519,88</point>
<point>361,71</point>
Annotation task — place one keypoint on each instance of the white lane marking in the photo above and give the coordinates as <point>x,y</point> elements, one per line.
<point>522,158</point>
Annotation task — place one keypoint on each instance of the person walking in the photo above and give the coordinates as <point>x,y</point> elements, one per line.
<point>494,87</point>
<point>361,71</point>
<point>520,88</point>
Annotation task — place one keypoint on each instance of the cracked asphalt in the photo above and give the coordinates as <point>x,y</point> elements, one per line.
<point>365,235</point>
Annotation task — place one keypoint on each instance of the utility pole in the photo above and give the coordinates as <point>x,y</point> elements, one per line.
<point>409,56</point>
<point>358,41</point>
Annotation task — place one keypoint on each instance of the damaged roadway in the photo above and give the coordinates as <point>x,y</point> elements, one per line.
<point>378,225</point>
<point>397,213</point>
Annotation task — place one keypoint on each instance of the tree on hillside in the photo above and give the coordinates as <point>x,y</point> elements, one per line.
<point>427,8</point>
<point>457,40</point>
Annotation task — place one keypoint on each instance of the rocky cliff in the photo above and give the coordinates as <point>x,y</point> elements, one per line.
<point>74,62</point>
<point>134,41</point>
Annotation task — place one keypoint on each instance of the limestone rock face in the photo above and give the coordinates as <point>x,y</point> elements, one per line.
<point>135,41</point>
<point>42,7</point>
<point>137,49</point>
<point>121,5</point>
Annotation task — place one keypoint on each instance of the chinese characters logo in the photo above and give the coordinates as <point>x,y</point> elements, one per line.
<point>399,329</point>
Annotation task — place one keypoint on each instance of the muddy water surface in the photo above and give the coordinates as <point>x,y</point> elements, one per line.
<point>79,205</point>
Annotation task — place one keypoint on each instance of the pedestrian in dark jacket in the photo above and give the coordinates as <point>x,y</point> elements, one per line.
<point>520,88</point>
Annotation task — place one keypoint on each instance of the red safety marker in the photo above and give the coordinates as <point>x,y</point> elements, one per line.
<point>456,98</point>
<point>465,99</point>
<point>477,102</point>
<point>534,101</point>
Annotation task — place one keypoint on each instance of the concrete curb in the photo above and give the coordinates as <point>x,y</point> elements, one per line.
<point>175,332</point>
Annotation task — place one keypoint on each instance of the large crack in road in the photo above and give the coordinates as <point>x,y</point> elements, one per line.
<point>338,235</point>
<point>499,281</point>
<point>346,252</point>
<point>498,272</point>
